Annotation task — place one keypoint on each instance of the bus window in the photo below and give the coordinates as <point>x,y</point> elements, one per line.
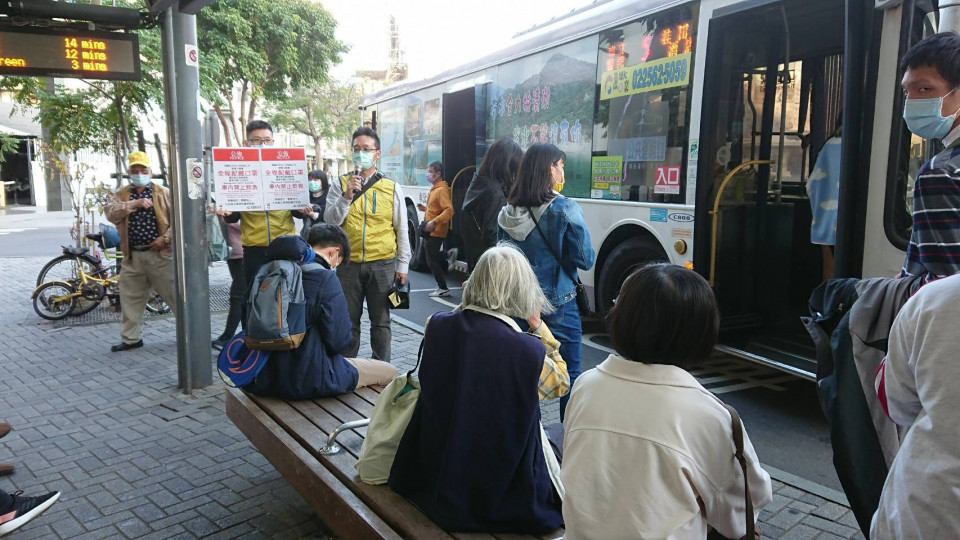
<point>907,151</point>
<point>641,131</point>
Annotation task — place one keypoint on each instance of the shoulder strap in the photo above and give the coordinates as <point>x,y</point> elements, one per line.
<point>737,426</point>
<point>575,277</point>
<point>376,178</point>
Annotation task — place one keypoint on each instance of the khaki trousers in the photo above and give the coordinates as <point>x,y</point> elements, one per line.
<point>373,372</point>
<point>143,271</point>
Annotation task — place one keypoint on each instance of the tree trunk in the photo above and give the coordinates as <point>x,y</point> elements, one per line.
<point>243,108</point>
<point>318,149</point>
<point>124,128</point>
<point>227,132</point>
<point>253,109</point>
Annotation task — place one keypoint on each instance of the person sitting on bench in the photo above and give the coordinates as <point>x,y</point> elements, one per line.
<point>317,367</point>
<point>474,456</point>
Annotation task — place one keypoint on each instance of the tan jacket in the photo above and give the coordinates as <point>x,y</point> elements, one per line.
<point>120,207</point>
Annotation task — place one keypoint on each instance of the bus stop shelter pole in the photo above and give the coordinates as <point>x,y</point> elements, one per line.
<point>182,95</point>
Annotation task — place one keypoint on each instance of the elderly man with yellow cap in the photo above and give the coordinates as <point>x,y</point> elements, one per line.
<point>141,212</point>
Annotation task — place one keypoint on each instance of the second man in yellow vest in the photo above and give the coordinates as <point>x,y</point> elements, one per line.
<point>372,209</point>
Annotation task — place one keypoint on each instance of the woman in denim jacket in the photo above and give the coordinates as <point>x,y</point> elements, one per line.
<point>534,200</point>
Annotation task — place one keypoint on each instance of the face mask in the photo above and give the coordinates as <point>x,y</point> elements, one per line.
<point>925,119</point>
<point>140,180</point>
<point>430,178</point>
<point>560,183</point>
<point>364,158</point>
<point>314,187</point>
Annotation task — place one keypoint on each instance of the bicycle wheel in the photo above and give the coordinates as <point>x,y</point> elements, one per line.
<point>156,303</point>
<point>53,300</point>
<point>65,268</point>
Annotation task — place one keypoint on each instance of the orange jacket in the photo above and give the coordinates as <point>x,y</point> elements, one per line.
<point>440,208</point>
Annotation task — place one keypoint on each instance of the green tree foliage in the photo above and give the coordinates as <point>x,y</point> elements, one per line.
<point>262,49</point>
<point>326,112</point>
<point>92,113</point>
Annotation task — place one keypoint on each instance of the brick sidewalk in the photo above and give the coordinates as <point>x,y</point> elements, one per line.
<point>135,458</point>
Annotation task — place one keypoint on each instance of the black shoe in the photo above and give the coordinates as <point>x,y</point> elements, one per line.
<point>23,509</point>
<point>220,342</point>
<point>127,346</point>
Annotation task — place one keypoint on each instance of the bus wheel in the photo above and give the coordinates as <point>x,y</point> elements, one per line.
<point>623,260</point>
<point>418,254</point>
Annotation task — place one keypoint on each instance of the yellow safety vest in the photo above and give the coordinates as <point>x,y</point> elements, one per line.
<point>369,223</point>
<point>260,227</point>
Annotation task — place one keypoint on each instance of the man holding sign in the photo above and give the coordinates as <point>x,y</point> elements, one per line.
<point>259,227</point>
<point>371,208</point>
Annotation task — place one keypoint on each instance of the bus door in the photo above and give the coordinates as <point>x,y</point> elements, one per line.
<point>772,97</point>
<point>462,118</point>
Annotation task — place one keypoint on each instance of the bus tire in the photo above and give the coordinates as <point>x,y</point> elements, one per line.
<point>418,254</point>
<point>623,260</point>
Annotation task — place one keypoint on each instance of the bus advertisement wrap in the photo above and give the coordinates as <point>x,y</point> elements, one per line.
<point>659,74</point>
<point>607,177</point>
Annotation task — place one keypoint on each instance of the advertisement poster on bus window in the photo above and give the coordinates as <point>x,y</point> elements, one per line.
<point>549,97</point>
<point>285,178</point>
<point>607,178</point>
<point>256,179</point>
<point>391,143</point>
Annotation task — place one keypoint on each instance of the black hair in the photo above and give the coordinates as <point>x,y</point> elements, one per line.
<point>534,185</point>
<point>324,235</point>
<point>258,124</point>
<point>437,166</point>
<point>664,314</point>
<point>501,162</point>
<point>317,174</point>
<point>366,132</point>
<point>939,51</point>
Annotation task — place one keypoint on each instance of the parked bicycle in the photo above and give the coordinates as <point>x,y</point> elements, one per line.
<point>77,282</point>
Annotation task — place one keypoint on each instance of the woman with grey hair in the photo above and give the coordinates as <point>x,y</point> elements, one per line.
<point>479,409</point>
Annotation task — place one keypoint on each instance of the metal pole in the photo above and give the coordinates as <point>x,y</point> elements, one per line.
<point>182,83</point>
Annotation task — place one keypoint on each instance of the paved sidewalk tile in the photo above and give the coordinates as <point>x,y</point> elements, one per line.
<point>135,458</point>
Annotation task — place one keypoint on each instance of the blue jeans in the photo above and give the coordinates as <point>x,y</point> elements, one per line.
<point>565,325</point>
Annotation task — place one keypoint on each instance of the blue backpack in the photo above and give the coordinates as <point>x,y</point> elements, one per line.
<point>276,308</point>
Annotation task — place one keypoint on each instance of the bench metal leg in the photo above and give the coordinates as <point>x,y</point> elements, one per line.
<point>332,447</point>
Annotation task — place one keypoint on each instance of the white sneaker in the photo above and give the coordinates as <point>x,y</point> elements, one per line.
<point>452,259</point>
<point>440,292</point>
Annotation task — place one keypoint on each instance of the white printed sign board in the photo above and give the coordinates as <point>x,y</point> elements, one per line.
<point>256,179</point>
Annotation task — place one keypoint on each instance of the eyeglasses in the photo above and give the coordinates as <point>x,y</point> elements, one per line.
<point>358,149</point>
<point>258,141</point>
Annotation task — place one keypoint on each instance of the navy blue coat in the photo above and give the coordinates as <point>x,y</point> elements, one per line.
<point>471,457</point>
<point>316,368</point>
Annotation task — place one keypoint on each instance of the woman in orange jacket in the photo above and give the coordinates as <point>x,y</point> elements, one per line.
<point>439,215</point>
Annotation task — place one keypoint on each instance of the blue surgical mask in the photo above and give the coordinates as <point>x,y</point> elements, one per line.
<point>363,158</point>
<point>925,119</point>
<point>314,186</point>
<point>140,180</point>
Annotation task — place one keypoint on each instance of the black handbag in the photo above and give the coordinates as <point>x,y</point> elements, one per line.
<point>398,297</point>
<point>583,301</point>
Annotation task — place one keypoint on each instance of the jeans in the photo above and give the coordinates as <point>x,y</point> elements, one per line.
<point>437,260</point>
<point>371,282</point>
<point>238,298</point>
<point>565,325</point>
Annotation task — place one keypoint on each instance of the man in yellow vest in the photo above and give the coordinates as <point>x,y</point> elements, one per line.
<point>259,228</point>
<point>141,212</point>
<point>372,209</point>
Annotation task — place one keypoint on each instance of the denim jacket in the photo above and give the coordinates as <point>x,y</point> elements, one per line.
<point>561,221</point>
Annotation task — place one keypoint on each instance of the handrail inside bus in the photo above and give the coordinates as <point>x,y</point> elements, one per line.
<point>715,212</point>
<point>461,171</point>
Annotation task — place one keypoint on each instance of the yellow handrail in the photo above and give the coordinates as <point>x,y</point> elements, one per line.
<point>716,211</point>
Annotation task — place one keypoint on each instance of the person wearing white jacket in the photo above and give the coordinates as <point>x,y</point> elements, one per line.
<point>648,452</point>
<point>915,385</point>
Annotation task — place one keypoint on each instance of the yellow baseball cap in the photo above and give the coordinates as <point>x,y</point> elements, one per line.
<point>139,158</point>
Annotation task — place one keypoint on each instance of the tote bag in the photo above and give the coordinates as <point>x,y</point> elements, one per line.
<point>391,415</point>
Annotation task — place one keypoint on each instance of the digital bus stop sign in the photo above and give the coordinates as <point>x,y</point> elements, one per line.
<point>57,52</point>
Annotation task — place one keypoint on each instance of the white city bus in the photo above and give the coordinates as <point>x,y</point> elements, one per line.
<point>690,129</point>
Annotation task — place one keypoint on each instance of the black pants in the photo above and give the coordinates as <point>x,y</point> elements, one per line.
<point>437,260</point>
<point>238,298</point>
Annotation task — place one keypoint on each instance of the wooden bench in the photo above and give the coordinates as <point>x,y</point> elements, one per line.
<point>290,434</point>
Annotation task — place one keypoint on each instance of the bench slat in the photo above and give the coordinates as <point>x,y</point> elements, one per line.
<point>343,511</point>
<point>311,424</point>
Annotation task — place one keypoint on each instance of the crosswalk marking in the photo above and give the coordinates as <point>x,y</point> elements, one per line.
<point>11,231</point>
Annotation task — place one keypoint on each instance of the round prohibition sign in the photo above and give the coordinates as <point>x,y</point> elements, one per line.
<point>193,55</point>
<point>197,172</point>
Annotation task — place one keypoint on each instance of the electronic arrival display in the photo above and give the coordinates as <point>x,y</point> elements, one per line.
<point>69,53</point>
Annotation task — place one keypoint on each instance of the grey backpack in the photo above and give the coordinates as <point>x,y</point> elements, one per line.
<point>276,309</point>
